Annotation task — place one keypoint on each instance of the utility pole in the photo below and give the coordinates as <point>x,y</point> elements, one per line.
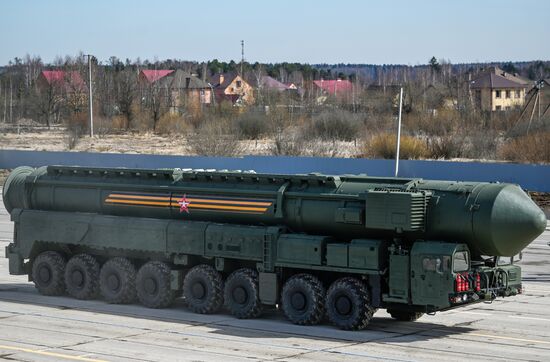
<point>11,102</point>
<point>90,94</point>
<point>5,103</point>
<point>242,56</point>
<point>398,133</point>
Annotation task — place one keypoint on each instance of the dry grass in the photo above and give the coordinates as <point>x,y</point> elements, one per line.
<point>533,148</point>
<point>384,145</point>
<point>213,140</point>
<point>171,123</point>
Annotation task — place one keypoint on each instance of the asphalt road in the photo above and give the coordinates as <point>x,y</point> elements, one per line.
<point>34,327</point>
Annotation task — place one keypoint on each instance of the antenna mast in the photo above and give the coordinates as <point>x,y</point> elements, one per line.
<point>242,56</point>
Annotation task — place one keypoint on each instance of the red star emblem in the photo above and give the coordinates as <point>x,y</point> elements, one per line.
<point>184,204</point>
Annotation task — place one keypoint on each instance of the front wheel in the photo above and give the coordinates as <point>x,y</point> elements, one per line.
<point>348,304</point>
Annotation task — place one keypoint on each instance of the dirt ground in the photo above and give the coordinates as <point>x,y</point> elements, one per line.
<point>57,139</point>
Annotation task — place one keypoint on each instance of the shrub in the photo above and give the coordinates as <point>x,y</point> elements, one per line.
<point>77,125</point>
<point>447,146</point>
<point>383,146</point>
<point>120,122</point>
<point>171,123</point>
<point>214,140</point>
<point>252,125</point>
<point>534,148</point>
<point>335,125</point>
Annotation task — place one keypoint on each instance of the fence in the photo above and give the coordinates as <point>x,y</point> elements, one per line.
<point>529,176</point>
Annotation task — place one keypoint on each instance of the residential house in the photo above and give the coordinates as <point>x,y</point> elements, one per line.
<point>497,90</point>
<point>269,89</point>
<point>268,83</point>
<point>60,90</point>
<point>337,87</point>
<point>233,88</point>
<point>182,90</point>
<point>340,89</point>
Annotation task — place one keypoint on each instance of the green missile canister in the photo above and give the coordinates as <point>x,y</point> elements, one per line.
<point>493,219</point>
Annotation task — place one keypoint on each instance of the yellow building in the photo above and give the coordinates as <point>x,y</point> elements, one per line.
<point>496,90</point>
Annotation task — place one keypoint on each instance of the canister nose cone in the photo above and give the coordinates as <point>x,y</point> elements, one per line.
<point>515,221</point>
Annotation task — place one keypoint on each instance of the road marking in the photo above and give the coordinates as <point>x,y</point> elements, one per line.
<point>51,354</point>
<point>508,338</point>
<point>532,318</point>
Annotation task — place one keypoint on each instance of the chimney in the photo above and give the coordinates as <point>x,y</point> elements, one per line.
<point>221,79</point>
<point>187,81</point>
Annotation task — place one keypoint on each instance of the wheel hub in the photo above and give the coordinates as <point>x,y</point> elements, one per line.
<point>298,301</point>
<point>150,286</point>
<point>198,291</point>
<point>113,282</point>
<point>240,295</point>
<point>44,274</point>
<point>343,305</point>
<point>77,278</point>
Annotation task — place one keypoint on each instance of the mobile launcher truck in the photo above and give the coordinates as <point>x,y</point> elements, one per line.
<point>312,245</point>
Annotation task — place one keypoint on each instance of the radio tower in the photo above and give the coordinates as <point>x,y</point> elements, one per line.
<point>242,56</point>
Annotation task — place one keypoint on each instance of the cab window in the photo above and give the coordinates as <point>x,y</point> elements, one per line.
<point>461,261</point>
<point>436,263</point>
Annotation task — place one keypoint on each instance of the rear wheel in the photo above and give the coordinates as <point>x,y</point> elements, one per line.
<point>302,299</point>
<point>203,289</point>
<point>153,285</point>
<point>241,294</point>
<point>48,273</point>
<point>348,304</point>
<point>117,281</point>
<point>404,316</point>
<point>82,277</point>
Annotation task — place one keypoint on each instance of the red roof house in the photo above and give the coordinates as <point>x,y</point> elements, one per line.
<point>336,87</point>
<point>67,80</point>
<point>152,75</point>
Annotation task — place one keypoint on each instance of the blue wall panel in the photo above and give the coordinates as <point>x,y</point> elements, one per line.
<point>530,177</point>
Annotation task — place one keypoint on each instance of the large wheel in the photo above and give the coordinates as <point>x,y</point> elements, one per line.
<point>117,281</point>
<point>153,285</point>
<point>404,316</point>
<point>48,273</point>
<point>241,294</point>
<point>203,289</point>
<point>82,277</point>
<point>302,299</point>
<point>348,304</point>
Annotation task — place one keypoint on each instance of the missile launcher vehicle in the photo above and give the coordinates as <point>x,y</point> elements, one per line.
<point>312,245</point>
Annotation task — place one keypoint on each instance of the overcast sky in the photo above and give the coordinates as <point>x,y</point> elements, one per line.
<point>342,31</point>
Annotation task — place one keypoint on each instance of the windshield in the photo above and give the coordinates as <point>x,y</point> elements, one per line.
<point>461,261</point>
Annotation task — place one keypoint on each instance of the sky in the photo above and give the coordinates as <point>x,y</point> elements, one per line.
<point>342,31</point>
